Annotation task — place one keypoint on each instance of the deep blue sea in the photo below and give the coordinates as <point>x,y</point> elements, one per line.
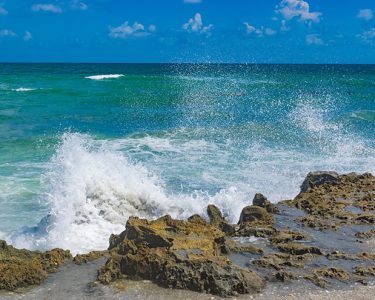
<point>84,146</point>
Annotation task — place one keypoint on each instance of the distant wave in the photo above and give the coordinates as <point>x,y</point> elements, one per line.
<point>21,89</point>
<point>101,77</point>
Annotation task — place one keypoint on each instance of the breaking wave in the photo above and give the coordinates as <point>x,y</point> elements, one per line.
<point>101,77</point>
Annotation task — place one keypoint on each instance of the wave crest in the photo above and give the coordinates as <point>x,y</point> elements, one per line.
<point>107,76</point>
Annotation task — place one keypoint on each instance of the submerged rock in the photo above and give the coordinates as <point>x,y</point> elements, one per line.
<point>177,254</point>
<point>22,268</point>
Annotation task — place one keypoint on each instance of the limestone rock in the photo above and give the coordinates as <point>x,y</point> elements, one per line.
<point>178,254</point>
<point>315,179</point>
<point>22,268</point>
<point>262,201</point>
<point>255,214</point>
<point>217,219</point>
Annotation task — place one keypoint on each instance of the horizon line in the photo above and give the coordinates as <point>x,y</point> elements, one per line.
<point>182,63</point>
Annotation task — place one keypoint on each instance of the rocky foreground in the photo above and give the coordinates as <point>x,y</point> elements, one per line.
<point>325,236</point>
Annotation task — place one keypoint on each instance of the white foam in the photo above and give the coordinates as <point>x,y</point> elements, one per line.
<point>101,77</point>
<point>95,185</point>
<point>92,191</point>
<point>22,89</point>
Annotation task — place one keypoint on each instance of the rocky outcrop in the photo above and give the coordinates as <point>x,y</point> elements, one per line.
<point>269,242</point>
<point>22,268</point>
<point>80,259</point>
<point>177,254</point>
<point>261,201</point>
<point>217,219</point>
<point>318,178</point>
<point>331,200</point>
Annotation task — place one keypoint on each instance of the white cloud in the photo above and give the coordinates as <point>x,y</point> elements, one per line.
<point>126,31</point>
<point>269,31</point>
<point>7,32</point>
<point>300,9</point>
<point>46,7</point>
<point>314,39</point>
<point>27,36</point>
<point>192,1</point>
<point>3,11</point>
<point>250,29</point>
<point>76,4</point>
<point>196,25</point>
<point>365,14</point>
<point>368,36</point>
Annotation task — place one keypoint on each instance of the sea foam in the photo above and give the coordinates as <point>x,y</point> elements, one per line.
<point>101,77</point>
<point>21,89</point>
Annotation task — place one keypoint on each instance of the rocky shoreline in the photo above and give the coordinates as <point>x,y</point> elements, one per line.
<point>325,236</point>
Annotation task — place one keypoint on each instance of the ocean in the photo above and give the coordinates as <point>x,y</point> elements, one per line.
<point>85,146</point>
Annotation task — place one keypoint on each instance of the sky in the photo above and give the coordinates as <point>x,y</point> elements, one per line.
<point>227,31</point>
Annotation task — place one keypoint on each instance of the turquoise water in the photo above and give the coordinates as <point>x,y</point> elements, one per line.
<point>79,152</point>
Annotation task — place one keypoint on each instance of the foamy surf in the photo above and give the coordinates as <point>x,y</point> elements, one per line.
<point>101,77</point>
<point>92,189</point>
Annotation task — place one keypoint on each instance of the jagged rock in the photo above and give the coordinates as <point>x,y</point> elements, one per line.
<point>319,276</point>
<point>286,236</point>
<point>315,179</point>
<point>197,219</point>
<point>365,235</point>
<point>248,229</point>
<point>217,219</point>
<point>262,201</point>
<point>80,259</point>
<point>284,276</point>
<point>334,273</point>
<point>365,271</point>
<point>279,261</point>
<point>22,268</point>
<point>298,249</point>
<point>233,246</point>
<point>255,214</point>
<point>177,254</point>
<point>331,200</point>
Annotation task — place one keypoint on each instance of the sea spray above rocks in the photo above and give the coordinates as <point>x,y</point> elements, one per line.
<point>207,257</point>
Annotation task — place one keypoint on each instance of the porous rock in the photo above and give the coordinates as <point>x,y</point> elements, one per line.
<point>177,254</point>
<point>22,268</point>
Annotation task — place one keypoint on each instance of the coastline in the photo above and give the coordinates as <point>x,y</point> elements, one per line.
<point>318,245</point>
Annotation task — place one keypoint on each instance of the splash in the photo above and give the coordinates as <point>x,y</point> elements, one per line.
<point>92,190</point>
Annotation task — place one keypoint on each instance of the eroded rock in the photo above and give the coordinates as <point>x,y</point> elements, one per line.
<point>217,219</point>
<point>261,201</point>
<point>22,268</point>
<point>178,254</point>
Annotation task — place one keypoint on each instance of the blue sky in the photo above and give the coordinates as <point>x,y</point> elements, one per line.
<point>254,31</point>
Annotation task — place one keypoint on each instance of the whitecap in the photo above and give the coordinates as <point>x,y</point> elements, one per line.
<point>107,76</point>
<point>22,89</point>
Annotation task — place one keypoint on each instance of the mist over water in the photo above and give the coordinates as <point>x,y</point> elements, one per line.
<point>79,156</point>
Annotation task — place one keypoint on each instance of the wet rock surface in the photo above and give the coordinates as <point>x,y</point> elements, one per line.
<point>324,237</point>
